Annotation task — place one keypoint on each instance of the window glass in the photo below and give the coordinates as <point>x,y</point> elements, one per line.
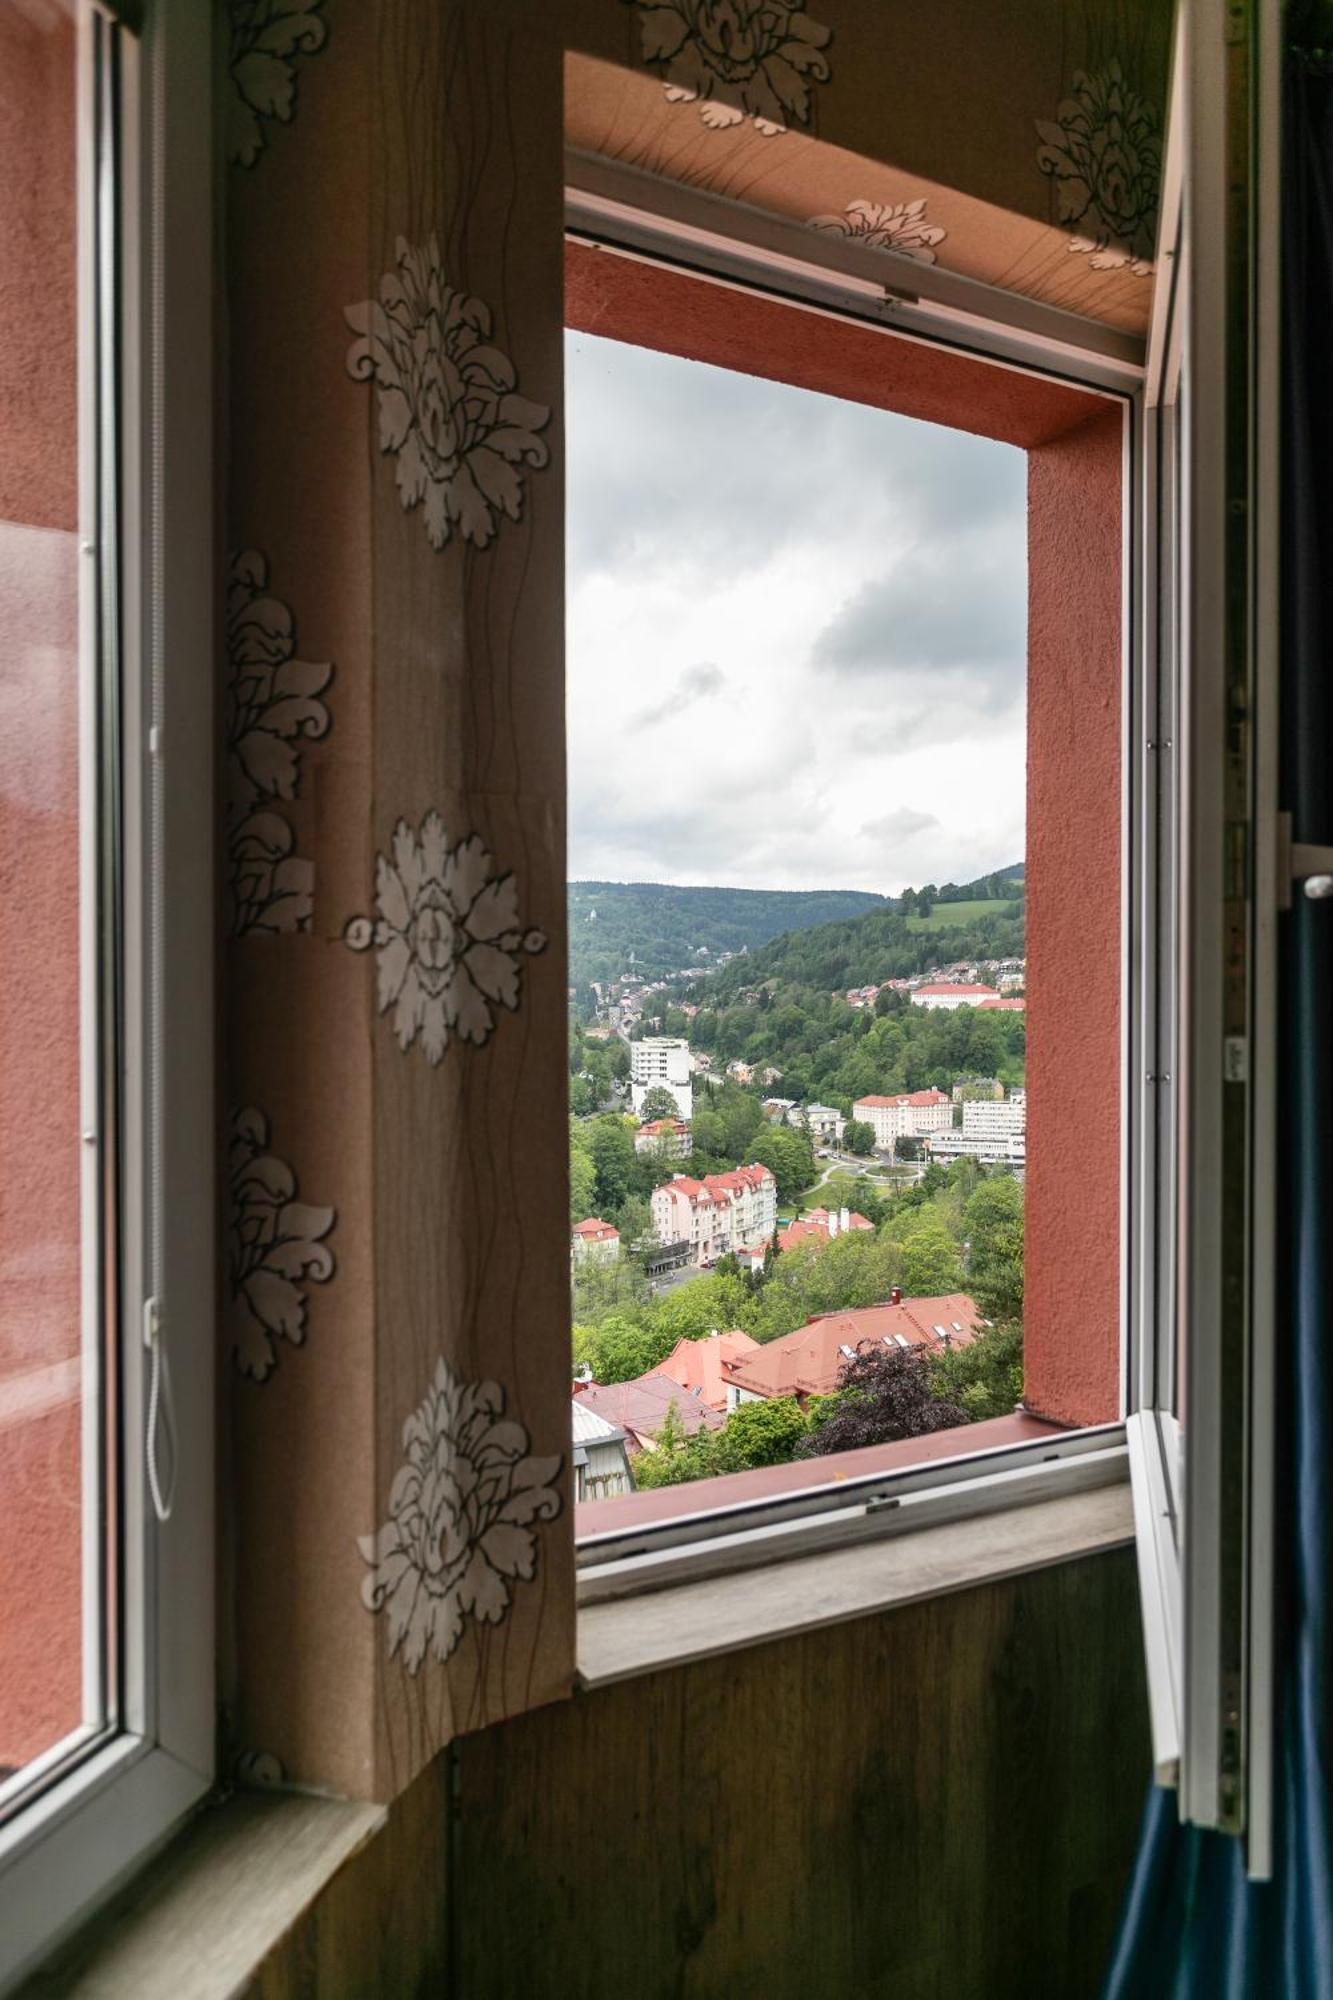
<point>51,1414</point>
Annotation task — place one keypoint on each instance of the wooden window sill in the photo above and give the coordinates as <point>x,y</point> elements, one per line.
<point>693,1621</point>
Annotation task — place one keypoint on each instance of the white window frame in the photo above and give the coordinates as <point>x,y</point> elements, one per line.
<point>1201,1430</point>
<point>146,530</point>
<point>629,213</point>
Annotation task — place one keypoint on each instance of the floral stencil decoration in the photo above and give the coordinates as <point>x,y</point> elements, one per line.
<point>1104,153</point>
<point>449,410</point>
<point>272,708</point>
<point>461,1511</point>
<point>738,58</point>
<point>447,938</point>
<point>897,226</point>
<point>263,38</point>
<point>275,1248</point>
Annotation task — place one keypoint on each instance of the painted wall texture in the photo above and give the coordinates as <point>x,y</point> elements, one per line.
<point>40,1386</point>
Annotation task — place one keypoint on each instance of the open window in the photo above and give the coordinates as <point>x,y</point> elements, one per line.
<point>1179,1236</point>
<point>1205,890</point>
<point>718,287</point>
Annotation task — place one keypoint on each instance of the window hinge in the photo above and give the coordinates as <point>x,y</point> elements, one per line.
<point>1298,861</point>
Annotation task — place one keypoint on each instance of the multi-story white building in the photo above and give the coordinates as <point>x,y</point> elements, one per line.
<point>731,1211</point>
<point>996,1121</point>
<point>989,1149</point>
<point>941,993</point>
<point>594,1242</point>
<point>912,1115</point>
<point>823,1121</point>
<point>661,1062</point>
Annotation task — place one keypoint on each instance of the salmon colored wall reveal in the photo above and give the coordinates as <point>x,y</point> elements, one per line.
<point>1072,1247</point>
<point>1071,1320</point>
<point>40,1388</point>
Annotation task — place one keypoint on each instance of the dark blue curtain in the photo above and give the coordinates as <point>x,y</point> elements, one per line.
<point>1193,1928</point>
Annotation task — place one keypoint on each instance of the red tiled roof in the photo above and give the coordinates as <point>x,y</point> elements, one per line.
<point>594,1230</point>
<point>1007,1001</point>
<point>809,1362</point>
<point>913,1097</point>
<point>641,1405</point>
<point>699,1365</point>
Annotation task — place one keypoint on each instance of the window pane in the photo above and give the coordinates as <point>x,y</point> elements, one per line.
<point>49,1437</point>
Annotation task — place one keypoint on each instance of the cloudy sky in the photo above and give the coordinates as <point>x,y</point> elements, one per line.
<point>796,634</point>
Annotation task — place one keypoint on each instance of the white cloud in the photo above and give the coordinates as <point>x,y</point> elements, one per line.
<point>796,634</point>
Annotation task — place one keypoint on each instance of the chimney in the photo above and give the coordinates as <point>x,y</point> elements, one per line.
<point>844,1219</point>
<point>896,1296</point>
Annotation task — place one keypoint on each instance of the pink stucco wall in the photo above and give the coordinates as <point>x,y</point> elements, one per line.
<point>1071,1318</point>
<point>40,1399</point>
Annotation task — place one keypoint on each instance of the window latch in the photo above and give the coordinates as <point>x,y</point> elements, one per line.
<point>1299,861</point>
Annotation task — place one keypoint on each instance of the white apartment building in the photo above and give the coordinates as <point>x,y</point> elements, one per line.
<point>731,1211</point>
<point>661,1062</point>
<point>913,1115</point>
<point>988,1149</point>
<point>948,995</point>
<point>986,1119</point>
<point>824,1121</point>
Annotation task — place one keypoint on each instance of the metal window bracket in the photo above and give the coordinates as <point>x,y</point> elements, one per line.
<point>1299,861</point>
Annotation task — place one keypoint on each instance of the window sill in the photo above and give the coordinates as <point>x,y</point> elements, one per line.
<point>695,1621</point>
<point>202,1918</point>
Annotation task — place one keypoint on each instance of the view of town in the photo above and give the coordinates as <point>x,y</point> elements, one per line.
<point>797,1114</point>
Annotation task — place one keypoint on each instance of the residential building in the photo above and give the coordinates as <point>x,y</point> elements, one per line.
<point>722,1212</point>
<point>823,1121</point>
<point>701,1365</point>
<point>778,1110</point>
<point>600,1455</point>
<point>661,1062</point>
<point>810,1361</point>
<point>740,1072</point>
<point>820,1225</point>
<point>911,1115</point>
<point>667,1138</point>
<point>594,1242</point>
<point>1007,1003</point>
<point>987,1148</point>
<point>1000,1120</point>
<point>950,993</point>
<point>639,1407</point>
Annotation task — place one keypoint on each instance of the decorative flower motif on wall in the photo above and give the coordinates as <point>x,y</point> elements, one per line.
<point>898,226</point>
<point>1104,153</point>
<point>275,1248</point>
<point>739,58</point>
<point>448,407</point>
<point>447,937</point>
<point>273,707</point>
<point>460,1519</point>
<point>263,38</point>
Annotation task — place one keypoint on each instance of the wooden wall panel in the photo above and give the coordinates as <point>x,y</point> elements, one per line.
<point>937,1804</point>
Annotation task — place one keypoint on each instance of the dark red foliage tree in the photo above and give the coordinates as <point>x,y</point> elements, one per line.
<point>883,1395</point>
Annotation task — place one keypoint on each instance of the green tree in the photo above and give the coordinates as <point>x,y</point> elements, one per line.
<point>582,1183</point>
<point>930,1256</point>
<point>611,1144</point>
<point>859,1137</point>
<point>788,1155</point>
<point>619,1350</point>
<point>985,1377</point>
<point>884,1395</point>
<point>993,1224</point>
<point>658,1103</point>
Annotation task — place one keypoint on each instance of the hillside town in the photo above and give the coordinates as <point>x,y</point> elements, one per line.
<point>847,1205</point>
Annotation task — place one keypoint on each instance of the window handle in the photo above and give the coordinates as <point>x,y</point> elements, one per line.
<point>1300,861</point>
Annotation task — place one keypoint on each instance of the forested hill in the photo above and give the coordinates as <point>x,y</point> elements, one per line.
<point>881,944</point>
<point>656,929</point>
